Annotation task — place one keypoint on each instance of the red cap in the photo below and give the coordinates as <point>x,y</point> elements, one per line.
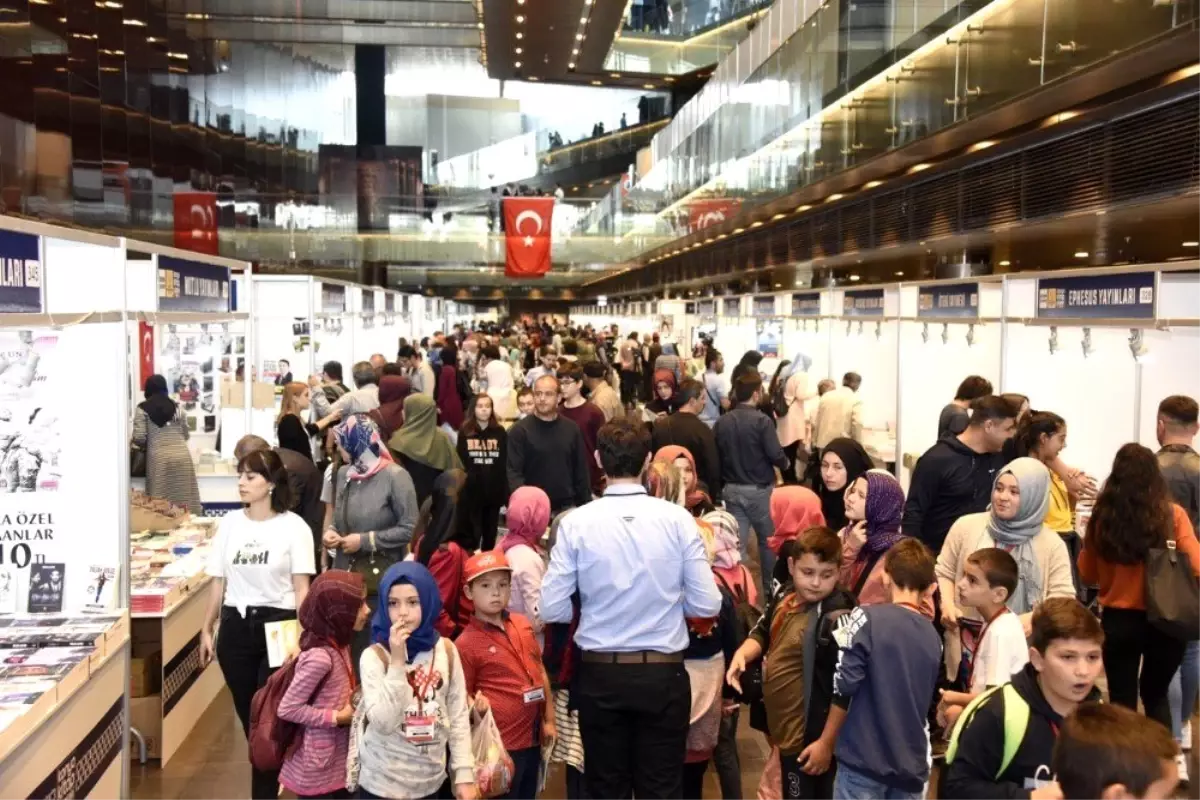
<point>484,562</point>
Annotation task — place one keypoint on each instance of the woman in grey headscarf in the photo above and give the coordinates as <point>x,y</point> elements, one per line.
<point>1013,522</point>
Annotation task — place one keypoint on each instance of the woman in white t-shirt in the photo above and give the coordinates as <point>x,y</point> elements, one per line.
<point>261,563</point>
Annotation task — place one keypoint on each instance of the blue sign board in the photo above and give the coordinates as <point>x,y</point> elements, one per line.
<point>958,300</point>
<point>806,305</point>
<point>368,301</point>
<point>192,286</point>
<point>333,298</point>
<point>764,305</point>
<point>20,273</point>
<point>389,303</point>
<point>863,303</point>
<point>732,307</point>
<point>706,308</point>
<point>1123,296</point>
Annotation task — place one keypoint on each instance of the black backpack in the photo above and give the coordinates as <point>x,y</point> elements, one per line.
<point>779,403</point>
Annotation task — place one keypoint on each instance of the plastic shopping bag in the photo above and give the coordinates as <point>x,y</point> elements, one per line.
<point>770,786</point>
<point>493,767</point>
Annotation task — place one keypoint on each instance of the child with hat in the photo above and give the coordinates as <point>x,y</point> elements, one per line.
<point>502,664</point>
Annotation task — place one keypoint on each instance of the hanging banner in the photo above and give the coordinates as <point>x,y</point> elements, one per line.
<point>959,300</point>
<point>706,213</point>
<point>20,273</point>
<point>806,304</point>
<point>731,307</point>
<point>769,332</point>
<point>192,286</point>
<point>333,298</point>
<point>145,352</point>
<point>863,303</point>
<point>764,305</point>
<point>527,236</point>
<point>1125,296</point>
<point>196,222</point>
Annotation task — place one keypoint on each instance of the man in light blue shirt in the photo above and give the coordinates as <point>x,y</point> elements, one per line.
<point>639,567</point>
<point>716,388</point>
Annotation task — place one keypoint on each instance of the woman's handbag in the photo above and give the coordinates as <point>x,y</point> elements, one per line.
<point>1172,593</point>
<point>137,462</point>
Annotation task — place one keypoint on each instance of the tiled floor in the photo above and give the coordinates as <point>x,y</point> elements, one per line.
<point>213,763</point>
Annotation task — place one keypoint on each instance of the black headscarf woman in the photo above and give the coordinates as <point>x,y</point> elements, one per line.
<point>843,461</point>
<point>158,406</point>
<point>439,520</point>
<point>749,363</point>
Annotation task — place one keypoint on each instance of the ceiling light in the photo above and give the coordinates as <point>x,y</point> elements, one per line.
<point>984,145</point>
<point>722,236</point>
<point>531,78</point>
<point>579,37</point>
<point>571,65</point>
<point>1081,254</point>
<point>41,2</point>
<point>596,83</point>
<point>517,64</point>
<point>520,18</point>
<point>919,167</point>
<point>855,278</point>
<point>900,273</point>
<point>647,85</point>
<point>583,20</point>
<point>756,224</point>
<point>520,35</point>
<point>1005,263</point>
<point>736,231</point>
<point>872,184</point>
<point>779,286</point>
<point>479,25</point>
<point>778,217</point>
<point>575,51</point>
<point>834,196</point>
<point>1191,244</point>
<point>803,208</point>
<point>614,74</point>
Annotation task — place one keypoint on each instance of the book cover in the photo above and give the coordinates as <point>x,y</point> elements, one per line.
<point>283,641</point>
<point>46,587</point>
<point>8,590</point>
<point>101,592</point>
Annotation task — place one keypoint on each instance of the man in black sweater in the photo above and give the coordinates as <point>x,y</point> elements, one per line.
<point>955,476</point>
<point>685,429</point>
<point>547,451</point>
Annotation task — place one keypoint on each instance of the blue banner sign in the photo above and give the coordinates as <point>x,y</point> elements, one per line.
<point>1124,296</point>
<point>333,298</point>
<point>764,305</point>
<point>706,308</point>
<point>368,301</point>
<point>20,273</point>
<point>959,300</point>
<point>192,286</point>
<point>732,307</point>
<point>863,303</point>
<point>806,305</point>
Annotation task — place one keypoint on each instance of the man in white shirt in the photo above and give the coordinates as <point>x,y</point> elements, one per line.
<point>365,397</point>
<point>549,366</point>
<point>716,388</point>
<point>840,413</point>
<point>418,370</point>
<point>639,568</point>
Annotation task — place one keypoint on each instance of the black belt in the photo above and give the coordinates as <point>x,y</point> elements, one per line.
<point>633,657</point>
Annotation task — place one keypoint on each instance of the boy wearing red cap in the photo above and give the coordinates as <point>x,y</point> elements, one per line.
<point>502,664</point>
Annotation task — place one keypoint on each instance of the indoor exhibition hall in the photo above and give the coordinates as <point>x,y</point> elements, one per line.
<point>583,399</point>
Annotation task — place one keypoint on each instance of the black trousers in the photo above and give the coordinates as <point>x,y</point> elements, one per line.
<point>634,722</point>
<point>693,779</point>
<point>242,656</point>
<point>483,518</point>
<point>799,785</point>
<point>1131,641</point>
<point>629,387</point>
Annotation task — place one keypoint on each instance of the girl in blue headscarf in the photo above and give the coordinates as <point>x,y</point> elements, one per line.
<point>414,698</point>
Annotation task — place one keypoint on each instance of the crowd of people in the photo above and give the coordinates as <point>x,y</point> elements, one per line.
<point>611,549</point>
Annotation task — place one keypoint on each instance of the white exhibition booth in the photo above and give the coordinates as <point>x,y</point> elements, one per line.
<point>64,492</point>
<point>1101,347</point>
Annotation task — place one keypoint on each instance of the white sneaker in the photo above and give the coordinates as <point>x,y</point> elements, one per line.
<point>1181,762</point>
<point>1185,742</point>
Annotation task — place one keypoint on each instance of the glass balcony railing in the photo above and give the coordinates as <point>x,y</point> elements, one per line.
<point>684,19</point>
<point>673,40</point>
<point>857,80</point>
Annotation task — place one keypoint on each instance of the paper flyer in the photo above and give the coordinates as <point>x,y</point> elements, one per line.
<point>283,641</point>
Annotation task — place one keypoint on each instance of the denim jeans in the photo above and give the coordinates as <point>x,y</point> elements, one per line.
<point>751,507</point>
<point>1182,692</point>
<point>851,785</point>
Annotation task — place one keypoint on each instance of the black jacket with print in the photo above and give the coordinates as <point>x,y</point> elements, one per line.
<point>972,773</point>
<point>484,456</point>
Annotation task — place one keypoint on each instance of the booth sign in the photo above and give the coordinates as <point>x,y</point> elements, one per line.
<point>1125,296</point>
<point>333,298</point>
<point>192,286</point>
<point>732,307</point>
<point>20,273</point>
<point>764,305</point>
<point>958,300</point>
<point>863,303</point>
<point>806,305</point>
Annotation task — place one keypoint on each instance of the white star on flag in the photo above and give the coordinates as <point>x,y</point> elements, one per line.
<point>529,241</point>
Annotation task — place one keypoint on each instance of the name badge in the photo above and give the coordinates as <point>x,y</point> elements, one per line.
<point>535,695</point>
<point>420,728</point>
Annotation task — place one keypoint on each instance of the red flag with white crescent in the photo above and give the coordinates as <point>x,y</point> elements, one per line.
<point>527,236</point>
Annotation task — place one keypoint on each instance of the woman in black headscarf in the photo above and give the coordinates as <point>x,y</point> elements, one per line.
<point>749,363</point>
<point>843,461</point>
<point>160,430</point>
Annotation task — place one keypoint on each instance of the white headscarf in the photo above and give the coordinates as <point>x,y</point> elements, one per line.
<point>500,389</point>
<point>1033,481</point>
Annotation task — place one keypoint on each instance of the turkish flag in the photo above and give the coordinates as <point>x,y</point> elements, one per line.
<point>527,236</point>
<point>145,352</point>
<point>196,222</point>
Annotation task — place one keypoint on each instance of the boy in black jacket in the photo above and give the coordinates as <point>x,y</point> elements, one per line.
<point>796,632</point>
<point>991,753</point>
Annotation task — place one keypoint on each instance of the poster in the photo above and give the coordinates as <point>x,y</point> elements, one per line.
<point>20,272</point>
<point>769,332</point>
<point>29,437</point>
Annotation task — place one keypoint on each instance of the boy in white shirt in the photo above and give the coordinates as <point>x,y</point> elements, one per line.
<point>989,578</point>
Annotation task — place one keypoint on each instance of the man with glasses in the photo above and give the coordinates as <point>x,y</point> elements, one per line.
<point>584,413</point>
<point>547,450</point>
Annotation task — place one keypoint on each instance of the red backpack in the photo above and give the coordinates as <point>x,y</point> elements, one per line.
<point>272,739</point>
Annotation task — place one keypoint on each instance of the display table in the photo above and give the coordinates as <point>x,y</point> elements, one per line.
<point>218,492</point>
<point>71,741</point>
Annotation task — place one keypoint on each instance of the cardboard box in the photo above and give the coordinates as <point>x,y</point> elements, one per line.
<point>145,714</point>
<point>233,395</point>
<point>145,670</point>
